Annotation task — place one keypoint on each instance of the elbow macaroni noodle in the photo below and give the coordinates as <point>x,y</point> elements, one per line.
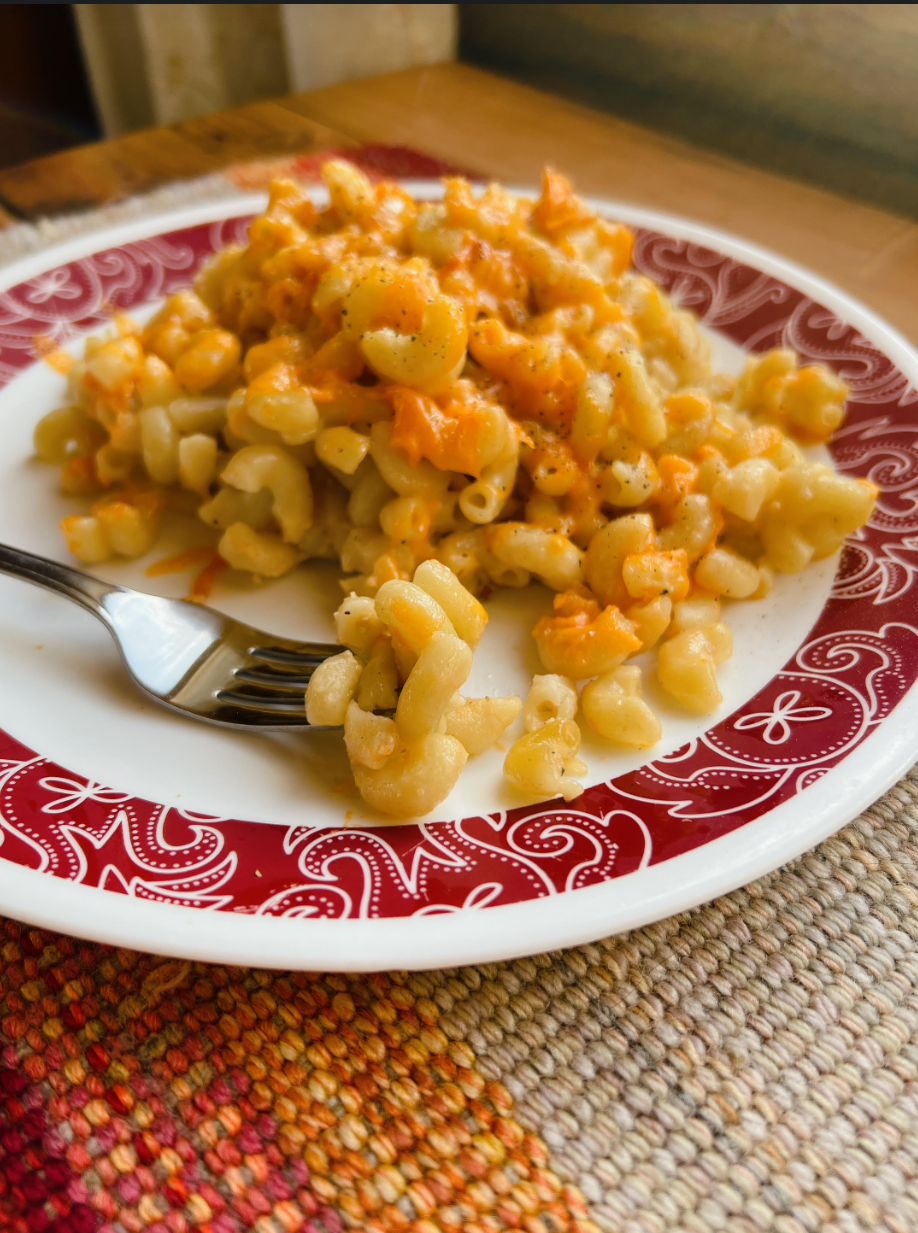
<point>446,398</point>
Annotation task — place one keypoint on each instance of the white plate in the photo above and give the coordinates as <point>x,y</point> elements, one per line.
<point>135,842</point>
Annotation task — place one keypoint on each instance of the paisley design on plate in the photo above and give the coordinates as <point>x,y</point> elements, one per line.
<point>857,664</point>
<point>65,301</point>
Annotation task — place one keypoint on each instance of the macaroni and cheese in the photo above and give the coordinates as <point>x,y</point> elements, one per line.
<point>444,398</point>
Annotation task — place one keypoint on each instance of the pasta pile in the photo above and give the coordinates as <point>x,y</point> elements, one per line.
<point>446,398</point>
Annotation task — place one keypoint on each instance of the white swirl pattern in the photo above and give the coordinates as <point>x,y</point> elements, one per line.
<point>531,844</point>
<point>63,303</point>
<point>725,293</point>
<point>860,674</point>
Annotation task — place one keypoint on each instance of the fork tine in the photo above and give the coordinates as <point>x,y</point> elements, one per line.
<point>261,702</point>
<point>312,654</point>
<point>266,678</point>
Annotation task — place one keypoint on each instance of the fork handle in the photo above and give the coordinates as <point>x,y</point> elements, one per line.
<point>83,589</point>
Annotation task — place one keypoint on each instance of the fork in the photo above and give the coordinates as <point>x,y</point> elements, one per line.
<point>189,658</point>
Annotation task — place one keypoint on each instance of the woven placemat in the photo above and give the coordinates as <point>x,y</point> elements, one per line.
<point>751,1065</point>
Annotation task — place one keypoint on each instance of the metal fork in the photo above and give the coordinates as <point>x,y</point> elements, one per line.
<point>187,657</point>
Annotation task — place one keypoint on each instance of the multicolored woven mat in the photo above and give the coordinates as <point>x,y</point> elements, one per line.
<point>752,1065</point>
<point>143,1094</point>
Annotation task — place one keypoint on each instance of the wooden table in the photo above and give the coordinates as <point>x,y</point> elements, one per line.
<point>508,131</point>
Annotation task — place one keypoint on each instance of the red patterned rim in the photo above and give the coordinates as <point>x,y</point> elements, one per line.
<point>858,662</point>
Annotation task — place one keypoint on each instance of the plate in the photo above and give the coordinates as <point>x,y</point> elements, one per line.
<point>123,823</point>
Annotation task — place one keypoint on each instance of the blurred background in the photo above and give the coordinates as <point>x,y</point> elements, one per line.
<point>823,92</point>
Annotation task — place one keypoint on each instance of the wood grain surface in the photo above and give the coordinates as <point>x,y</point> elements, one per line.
<point>94,175</point>
<point>825,93</point>
<point>508,131</point>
